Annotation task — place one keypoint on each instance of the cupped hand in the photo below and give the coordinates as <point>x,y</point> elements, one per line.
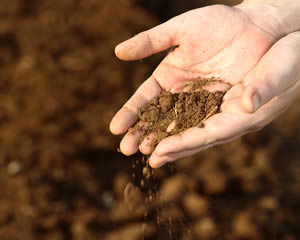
<point>215,41</point>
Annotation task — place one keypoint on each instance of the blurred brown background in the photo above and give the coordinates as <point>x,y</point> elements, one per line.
<point>60,174</point>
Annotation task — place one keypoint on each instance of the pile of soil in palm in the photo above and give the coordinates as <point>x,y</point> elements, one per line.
<point>169,114</point>
<point>172,113</point>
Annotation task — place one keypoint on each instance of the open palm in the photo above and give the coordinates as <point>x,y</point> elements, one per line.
<point>215,41</point>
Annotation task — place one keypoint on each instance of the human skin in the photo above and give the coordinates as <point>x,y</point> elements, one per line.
<point>253,47</point>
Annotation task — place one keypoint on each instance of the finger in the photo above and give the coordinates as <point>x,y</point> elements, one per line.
<point>149,142</point>
<point>149,42</point>
<point>129,143</point>
<point>146,146</point>
<point>275,73</point>
<point>236,91</point>
<point>219,127</point>
<point>128,114</point>
<point>156,161</point>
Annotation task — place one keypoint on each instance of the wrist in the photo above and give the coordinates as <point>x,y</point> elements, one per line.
<point>276,17</point>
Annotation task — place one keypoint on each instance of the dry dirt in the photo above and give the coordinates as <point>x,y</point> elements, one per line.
<point>61,177</point>
<point>172,113</point>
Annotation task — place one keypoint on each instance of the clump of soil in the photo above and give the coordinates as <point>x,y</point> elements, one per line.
<point>172,113</point>
<point>133,195</point>
<point>143,188</point>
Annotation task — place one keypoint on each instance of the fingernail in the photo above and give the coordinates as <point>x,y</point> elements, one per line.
<point>256,102</point>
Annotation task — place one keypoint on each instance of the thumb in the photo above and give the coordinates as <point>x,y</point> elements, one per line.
<point>149,42</point>
<point>277,71</point>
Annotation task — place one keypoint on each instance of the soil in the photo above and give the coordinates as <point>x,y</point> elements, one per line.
<point>133,196</point>
<point>184,110</point>
<point>61,177</point>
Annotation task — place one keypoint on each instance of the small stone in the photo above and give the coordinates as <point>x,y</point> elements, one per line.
<point>243,226</point>
<point>269,203</point>
<point>205,228</point>
<point>14,168</point>
<point>107,199</point>
<point>195,205</point>
<point>146,172</point>
<point>215,182</point>
<point>173,188</point>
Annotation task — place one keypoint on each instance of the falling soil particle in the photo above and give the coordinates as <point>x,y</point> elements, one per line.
<point>172,113</point>
<point>133,196</point>
<point>147,173</point>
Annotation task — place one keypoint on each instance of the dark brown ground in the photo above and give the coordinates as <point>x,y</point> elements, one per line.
<point>60,174</point>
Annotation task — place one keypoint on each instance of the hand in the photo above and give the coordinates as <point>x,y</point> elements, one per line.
<point>214,41</point>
